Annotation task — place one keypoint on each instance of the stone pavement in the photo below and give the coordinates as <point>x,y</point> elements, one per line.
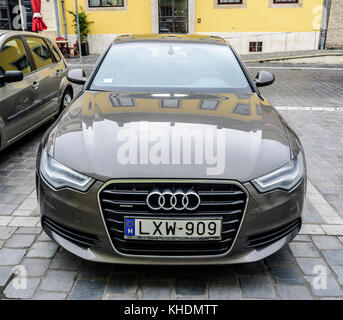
<point>311,267</point>
<point>301,86</point>
<point>274,56</point>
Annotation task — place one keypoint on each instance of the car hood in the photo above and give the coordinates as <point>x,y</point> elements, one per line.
<point>145,135</point>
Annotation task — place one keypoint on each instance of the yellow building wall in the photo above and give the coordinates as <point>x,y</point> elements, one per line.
<point>258,17</point>
<point>136,19</point>
<point>281,29</point>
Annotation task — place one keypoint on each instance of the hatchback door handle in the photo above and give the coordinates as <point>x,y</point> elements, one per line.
<point>35,85</point>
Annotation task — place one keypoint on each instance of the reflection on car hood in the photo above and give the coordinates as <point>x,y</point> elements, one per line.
<point>134,135</point>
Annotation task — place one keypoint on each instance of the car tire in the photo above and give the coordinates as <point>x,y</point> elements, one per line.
<point>65,102</point>
<point>66,99</point>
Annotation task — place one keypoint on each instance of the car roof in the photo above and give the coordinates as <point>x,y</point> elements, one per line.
<point>17,33</point>
<point>3,32</point>
<point>170,37</point>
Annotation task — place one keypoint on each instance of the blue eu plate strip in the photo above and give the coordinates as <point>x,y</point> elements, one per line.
<point>130,227</point>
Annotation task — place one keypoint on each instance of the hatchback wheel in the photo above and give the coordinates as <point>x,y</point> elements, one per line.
<point>65,102</point>
<point>67,97</point>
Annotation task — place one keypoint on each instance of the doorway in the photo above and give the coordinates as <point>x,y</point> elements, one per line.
<point>173,16</point>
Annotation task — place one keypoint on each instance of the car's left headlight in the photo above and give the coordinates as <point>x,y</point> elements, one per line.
<point>285,178</point>
<point>60,176</point>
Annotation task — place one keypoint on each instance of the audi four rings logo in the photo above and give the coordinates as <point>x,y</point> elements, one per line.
<point>168,200</point>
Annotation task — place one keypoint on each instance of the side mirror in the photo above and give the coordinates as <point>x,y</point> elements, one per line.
<point>11,76</point>
<point>77,76</point>
<point>264,78</point>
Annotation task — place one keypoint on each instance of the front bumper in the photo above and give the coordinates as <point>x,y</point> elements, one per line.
<point>81,212</point>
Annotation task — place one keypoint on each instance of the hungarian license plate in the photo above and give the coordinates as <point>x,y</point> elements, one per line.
<point>172,229</point>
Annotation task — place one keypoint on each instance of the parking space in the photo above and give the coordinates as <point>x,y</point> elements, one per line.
<point>311,267</point>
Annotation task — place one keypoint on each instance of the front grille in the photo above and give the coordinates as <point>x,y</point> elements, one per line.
<point>267,238</point>
<point>80,238</point>
<point>223,200</point>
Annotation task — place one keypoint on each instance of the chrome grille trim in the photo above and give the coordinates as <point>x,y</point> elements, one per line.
<point>117,216</point>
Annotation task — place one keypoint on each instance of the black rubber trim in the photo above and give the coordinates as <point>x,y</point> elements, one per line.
<point>74,236</point>
<point>272,236</point>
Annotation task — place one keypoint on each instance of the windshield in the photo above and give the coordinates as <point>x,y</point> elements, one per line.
<point>153,65</point>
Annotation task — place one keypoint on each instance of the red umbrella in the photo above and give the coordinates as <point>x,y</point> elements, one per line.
<point>37,20</point>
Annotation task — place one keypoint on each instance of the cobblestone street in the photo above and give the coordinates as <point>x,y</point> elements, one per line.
<point>313,86</point>
<point>289,274</point>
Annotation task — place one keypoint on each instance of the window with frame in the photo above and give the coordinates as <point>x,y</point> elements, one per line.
<point>243,109</point>
<point>285,1</point>
<point>207,104</point>
<point>255,46</point>
<point>105,3</point>
<point>40,52</point>
<point>3,12</point>
<point>230,1</point>
<point>121,101</point>
<point>54,50</point>
<point>13,57</point>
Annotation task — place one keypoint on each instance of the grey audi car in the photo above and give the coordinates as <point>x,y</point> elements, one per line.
<point>170,155</point>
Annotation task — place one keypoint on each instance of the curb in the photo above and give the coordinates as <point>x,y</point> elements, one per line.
<point>292,57</point>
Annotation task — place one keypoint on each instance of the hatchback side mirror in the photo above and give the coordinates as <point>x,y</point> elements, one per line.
<point>11,76</point>
<point>77,76</point>
<point>264,78</point>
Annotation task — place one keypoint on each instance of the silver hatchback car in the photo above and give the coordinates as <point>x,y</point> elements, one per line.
<point>33,86</point>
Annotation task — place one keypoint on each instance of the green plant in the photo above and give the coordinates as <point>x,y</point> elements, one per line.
<point>84,24</point>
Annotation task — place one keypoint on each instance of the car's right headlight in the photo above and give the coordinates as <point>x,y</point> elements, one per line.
<point>60,176</point>
<point>285,178</point>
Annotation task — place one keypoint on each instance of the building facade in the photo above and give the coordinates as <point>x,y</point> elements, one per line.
<point>334,36</point>
<point>249,25</point>
<point>11,17</point>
